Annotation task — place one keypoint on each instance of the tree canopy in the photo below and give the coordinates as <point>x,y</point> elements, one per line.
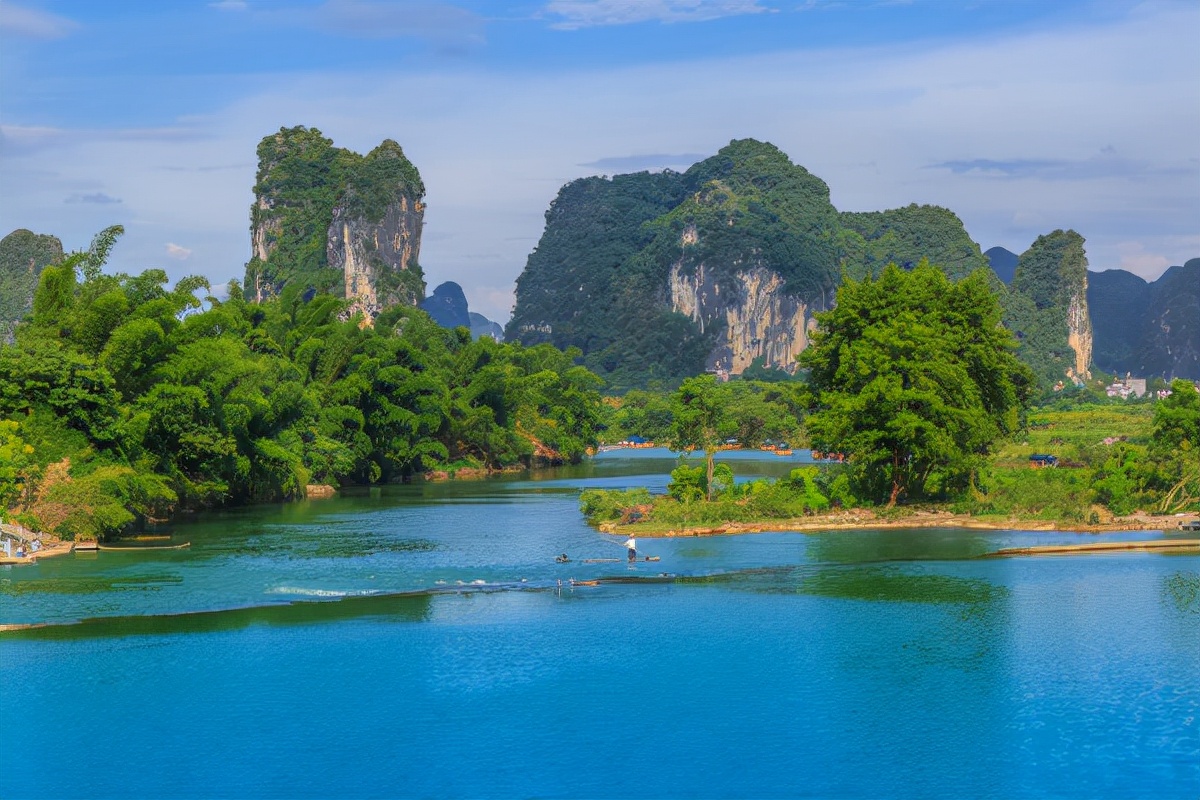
<point>915,379</point>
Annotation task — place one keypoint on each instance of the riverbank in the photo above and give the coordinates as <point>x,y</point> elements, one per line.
<point>920,518</point>
<point>54,548</point>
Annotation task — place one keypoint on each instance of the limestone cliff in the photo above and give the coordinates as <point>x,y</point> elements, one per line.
<point>327,219</point>
<point>755,317</point>
<point>375,258</point>
<point>1048,310</point>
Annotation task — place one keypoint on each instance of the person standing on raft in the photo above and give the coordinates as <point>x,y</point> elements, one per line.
<point>631,544</point>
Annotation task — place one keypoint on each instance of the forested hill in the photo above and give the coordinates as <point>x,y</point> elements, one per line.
<point>659,276</point>
<point>1147,329</point>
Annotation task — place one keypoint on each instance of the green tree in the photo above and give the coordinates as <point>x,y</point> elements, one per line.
<point>915,380</point>
<point>703,420</point>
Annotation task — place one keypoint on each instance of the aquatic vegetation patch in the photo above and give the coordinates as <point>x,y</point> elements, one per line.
<point>1182,590</point>
<point>894,585</point>
<point>87,584</point>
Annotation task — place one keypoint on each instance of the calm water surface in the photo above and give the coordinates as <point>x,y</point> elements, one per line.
<point>421,641</point>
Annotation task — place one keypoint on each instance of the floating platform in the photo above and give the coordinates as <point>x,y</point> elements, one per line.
<point>1157,545</point>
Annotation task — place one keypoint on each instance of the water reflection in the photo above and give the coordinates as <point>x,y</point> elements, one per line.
<point>413,607</point>
<point>899,544</point>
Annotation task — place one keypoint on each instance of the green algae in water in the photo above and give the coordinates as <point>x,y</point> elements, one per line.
<point>399,607</point>
<point>893,585</point>
<point>1182,591</point>
<point>87,584</point>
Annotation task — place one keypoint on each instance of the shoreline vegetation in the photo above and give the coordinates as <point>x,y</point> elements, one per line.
<point>125,402</point>
<point>868,519</point>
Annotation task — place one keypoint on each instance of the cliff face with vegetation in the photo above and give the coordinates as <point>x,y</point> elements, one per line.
<point>326,219</point>
<point>1147,329</point>
<point>23,255</point>
<point>659,276</point>
<point>1047,308</point>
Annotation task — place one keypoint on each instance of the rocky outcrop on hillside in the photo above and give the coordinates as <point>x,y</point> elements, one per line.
<point>1047,308</point>
<point>327,219</point>
<point>1147,329</point>
<point>23,255</point>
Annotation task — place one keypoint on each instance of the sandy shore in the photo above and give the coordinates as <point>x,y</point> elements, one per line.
<point>861,519</point>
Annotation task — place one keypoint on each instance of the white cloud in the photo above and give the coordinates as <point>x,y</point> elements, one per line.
<point>1135,259</point>
<point>229,5</point>
<point>34,24</point>
<point>574,14</point>
<point>178,252</point>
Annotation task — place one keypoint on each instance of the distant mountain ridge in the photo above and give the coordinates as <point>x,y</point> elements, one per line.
<point>1003,263</point>
<point>448,307</point>
<point>1148,329</point>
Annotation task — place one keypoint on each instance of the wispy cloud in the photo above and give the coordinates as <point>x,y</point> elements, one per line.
<point>33,23</point>
<point>229,5</point>
<point>178,252</point>
<point>636,163</point>
<point>97,198</point>
<point>445,25</point>
<point>1106,165</point>
<point>574,14</point>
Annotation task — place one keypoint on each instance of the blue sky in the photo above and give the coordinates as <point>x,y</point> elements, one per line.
<point>1022,117</point>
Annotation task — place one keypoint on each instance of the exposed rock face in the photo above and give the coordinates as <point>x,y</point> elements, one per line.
<point>757,319</point>
<point>1079,332</point>
<point>370,255</point>
<point>330,220</point>
<point>23,255</point>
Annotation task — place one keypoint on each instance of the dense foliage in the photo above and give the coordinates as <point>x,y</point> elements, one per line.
<point>125,398</point>
<point>301,179</point>
<point>871,240</point>
<point>915,380</point>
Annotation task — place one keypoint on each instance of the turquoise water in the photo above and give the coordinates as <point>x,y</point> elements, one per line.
<point>421,642</point>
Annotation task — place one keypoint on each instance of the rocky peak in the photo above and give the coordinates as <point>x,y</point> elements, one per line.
<point>329,219</point>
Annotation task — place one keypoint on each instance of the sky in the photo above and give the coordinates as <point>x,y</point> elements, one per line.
<point>1021,116</point>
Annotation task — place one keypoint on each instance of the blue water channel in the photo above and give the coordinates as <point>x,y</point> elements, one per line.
<point>421,641</point>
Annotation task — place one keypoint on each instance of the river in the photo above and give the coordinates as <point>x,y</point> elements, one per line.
<point>421,641</point>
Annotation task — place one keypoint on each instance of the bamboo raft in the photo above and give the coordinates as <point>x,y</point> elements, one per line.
<point>146,546</point>
<point>1158,545</point>
<point>615,560</point>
